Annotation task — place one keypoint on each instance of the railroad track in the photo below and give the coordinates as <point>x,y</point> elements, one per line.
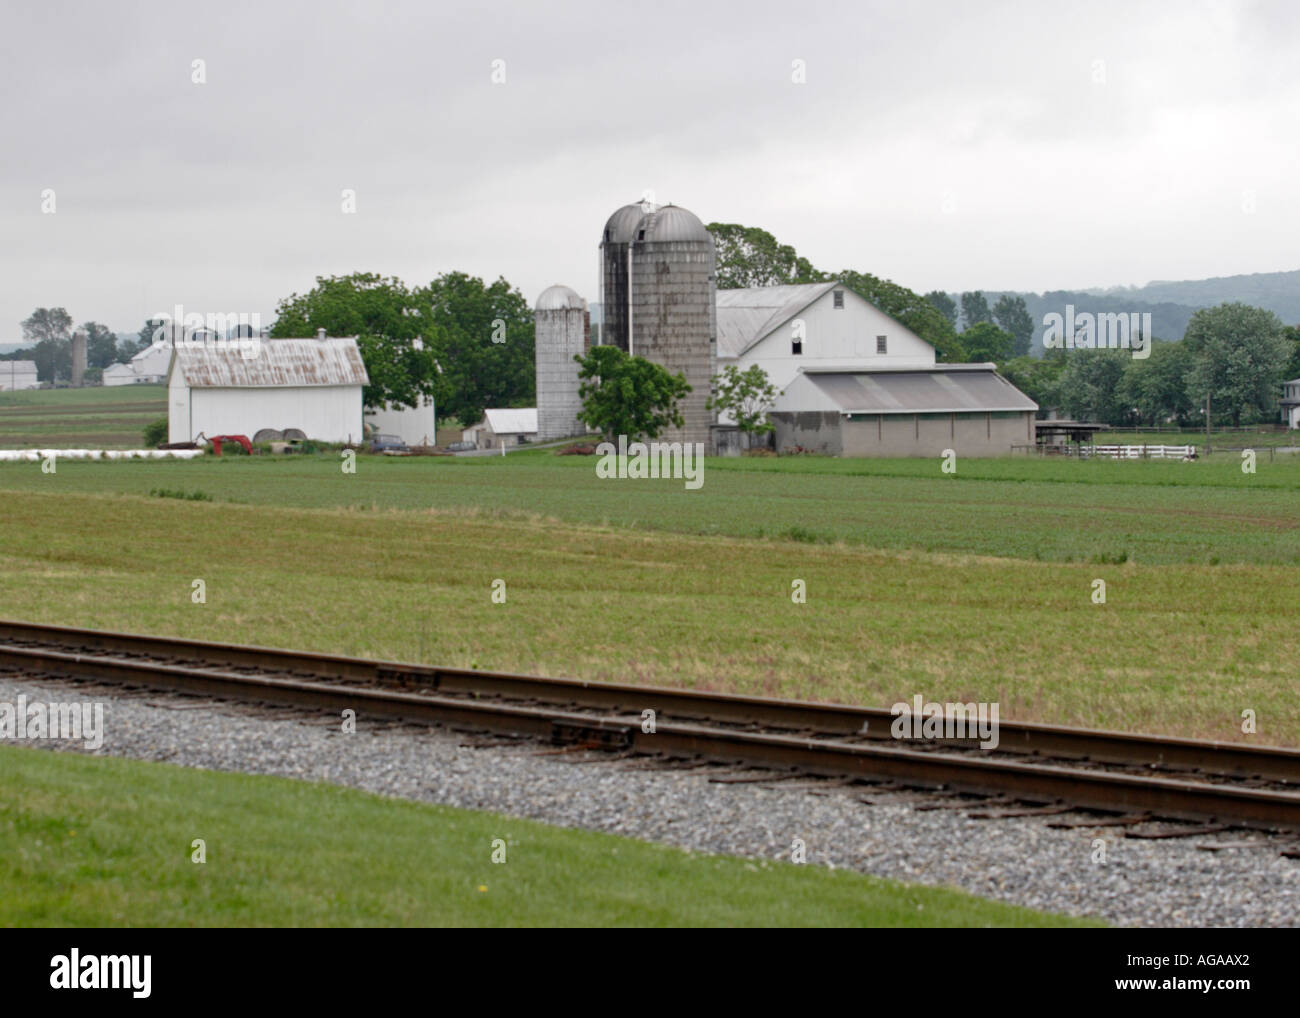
<point>1134,777</point>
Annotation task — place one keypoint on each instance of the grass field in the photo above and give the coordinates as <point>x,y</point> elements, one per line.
<point>973,587</point>
<point>94,417</point>
<point>107,842</point>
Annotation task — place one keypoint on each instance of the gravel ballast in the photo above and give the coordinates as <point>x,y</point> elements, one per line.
<point>1019,860</point>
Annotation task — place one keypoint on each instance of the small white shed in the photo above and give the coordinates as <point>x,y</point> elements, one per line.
<point>225,388</point>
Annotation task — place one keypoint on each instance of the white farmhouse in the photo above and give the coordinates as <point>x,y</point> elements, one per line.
<point>313,385</point>
<point>149,366</point>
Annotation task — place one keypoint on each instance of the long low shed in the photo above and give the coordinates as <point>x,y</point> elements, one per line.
<point>968,408</point>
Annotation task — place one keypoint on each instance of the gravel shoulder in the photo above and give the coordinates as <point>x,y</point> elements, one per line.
<point>1019,860</point>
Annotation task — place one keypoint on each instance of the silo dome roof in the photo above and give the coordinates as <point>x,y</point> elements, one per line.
<point>560,298</point>
<point>620,226</point>
<point>671,223</point>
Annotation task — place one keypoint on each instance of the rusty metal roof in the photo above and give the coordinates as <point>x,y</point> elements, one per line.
<point>270,362</point>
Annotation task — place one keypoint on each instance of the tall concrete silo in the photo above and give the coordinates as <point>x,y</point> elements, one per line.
<point>562,327</point>
<point>671,308</point>
<point>79,341</point>
<point>614,272</point>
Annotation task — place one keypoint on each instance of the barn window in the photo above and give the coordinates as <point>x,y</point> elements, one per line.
<point>882,344</point>
<point>796,347</point>
<point>839,298</point>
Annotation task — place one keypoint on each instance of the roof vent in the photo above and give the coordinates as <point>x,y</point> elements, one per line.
<point>320,333</point>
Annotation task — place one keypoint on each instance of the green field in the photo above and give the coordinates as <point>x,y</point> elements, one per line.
<point>106,842</point>
<point>973,587</point>
<point>94,417</point>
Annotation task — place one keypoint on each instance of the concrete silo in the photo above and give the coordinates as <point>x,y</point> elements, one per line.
<point>614,272</point>
<point>670,308</point>
<point>79,341</point>
<point>562,326</point>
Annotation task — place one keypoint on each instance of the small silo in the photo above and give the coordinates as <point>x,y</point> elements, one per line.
<point>562,326</point>
<point>671,308</point>
<point>614,268</point>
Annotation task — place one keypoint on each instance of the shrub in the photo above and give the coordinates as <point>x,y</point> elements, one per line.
<point>155,432</point>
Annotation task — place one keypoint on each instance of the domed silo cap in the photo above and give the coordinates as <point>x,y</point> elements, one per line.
<point>671,223</point>
<point>560,298</point>
<point>620,226</point>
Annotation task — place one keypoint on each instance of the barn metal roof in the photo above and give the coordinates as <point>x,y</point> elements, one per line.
<point>951,389</point>
<point>18,367</point>
<point>746,316</point>
<point>277,362</point>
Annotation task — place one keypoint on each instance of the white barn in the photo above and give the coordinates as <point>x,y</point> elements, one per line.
<point>313,385</point>
<point>18,375</point>
<point>813,326</point>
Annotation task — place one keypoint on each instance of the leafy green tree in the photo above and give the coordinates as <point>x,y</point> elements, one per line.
<point>1240,356</point>
<point>747,395</point>
<point>50,329</point>
<point>1039,378</point>
<point>386,319</point>
<point>147,333</point>
<point>1156,387</point>
<point>483,343</point>
<point>748,256</point>
<point>1292,370</point>
<point>630,396</point>
<point>127,349</point>
<point>974,309</point>
<point>908,308</point>
<point>984,341</point>
<point>945,305</point>
<point>1090,387</point>
<point>101,345</point>
<point>1013,316</point>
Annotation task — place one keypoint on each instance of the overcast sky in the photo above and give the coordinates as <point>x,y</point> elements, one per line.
<point>957,146</point>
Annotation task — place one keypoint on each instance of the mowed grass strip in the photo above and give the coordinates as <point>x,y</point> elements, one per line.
<point>1150,512</point>
<point>1175,649</point>
<point>97,841</point>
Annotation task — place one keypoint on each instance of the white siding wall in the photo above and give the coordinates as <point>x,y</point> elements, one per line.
<point>414,425</point>
<point>178,411</point>
<point>324,413</point>
<point>10,379</point>
<point>835,338</point>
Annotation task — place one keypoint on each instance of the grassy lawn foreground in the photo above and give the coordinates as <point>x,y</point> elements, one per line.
<point>98,841</point>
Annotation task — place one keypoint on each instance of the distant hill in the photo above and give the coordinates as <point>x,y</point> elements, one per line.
<point>1170,304</point>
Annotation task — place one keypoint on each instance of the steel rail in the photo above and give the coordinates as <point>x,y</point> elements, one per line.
<point>1058,742</point>
<point>1029,779</point>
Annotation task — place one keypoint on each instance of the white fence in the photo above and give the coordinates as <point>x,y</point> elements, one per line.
<point>1138,452</point>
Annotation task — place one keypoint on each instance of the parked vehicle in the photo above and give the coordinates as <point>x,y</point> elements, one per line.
<point>388,444</point>
<point>461,447</point>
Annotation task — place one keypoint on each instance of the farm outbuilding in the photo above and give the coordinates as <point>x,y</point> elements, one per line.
<point>968,408</point>
<point>312,385</point>
<point>18,375</point>
<point>503,428</point>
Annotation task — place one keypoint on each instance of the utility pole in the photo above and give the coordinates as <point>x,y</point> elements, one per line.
<point>1207,422</point>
